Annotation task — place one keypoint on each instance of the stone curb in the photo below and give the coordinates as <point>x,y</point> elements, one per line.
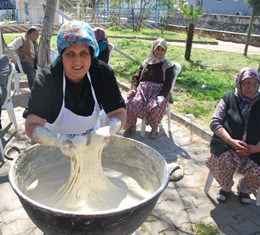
<point>168,40</point>
<point>196,129</point>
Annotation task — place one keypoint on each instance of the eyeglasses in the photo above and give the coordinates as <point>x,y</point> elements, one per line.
<point>248,85</point>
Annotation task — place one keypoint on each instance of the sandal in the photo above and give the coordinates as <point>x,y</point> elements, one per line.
<point>244,198</point>
<point>222,195</point>
<point>153,134</point>
<point>130,131</point>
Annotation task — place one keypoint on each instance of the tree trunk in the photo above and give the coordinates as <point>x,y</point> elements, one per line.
<point>189,40</point>
<point>44,47</point>
<point>248,36</point>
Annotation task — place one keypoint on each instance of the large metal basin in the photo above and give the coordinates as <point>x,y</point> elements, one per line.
<point>131,157</point>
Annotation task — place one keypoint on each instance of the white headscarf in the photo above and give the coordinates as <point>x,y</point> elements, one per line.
<point>152,59</point>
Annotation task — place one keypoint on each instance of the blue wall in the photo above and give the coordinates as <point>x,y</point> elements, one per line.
<point>226,7</point>
<point>7,4</point>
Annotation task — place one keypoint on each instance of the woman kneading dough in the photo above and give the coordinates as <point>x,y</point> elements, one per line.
<point>63,111</point>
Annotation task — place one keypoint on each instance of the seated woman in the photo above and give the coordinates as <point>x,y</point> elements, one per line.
<point>150,90</point>
<point>102,41</point>
<point>235,145</point>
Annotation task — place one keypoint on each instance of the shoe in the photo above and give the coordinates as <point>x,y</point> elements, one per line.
<point>222,195</point>
<point>153,134</point>
<point>130,131</point>
<point>244,198</point>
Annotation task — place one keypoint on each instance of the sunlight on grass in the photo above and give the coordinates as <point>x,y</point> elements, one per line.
<point>206,229</point>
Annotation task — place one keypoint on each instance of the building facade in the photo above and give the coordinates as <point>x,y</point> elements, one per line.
<point>7,4</point>
<point>224,7</point>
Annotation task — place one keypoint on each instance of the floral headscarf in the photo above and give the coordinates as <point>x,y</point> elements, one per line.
<point>100,34</point>
<point>152,59</point>
<point>246,103</point>
<point>76,33</point>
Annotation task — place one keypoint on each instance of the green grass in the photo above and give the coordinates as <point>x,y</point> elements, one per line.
<point>214,69</point>
<point>206,229</point>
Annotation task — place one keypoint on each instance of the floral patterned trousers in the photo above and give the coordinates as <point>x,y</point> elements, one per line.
<point>144,105</point>
<point>224,166</point>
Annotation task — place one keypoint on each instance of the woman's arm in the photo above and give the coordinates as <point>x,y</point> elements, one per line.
<point>235,144</point>
<point>136,78</point>
<point>216,126</point>
<point>251,149</point>
<point>119,114</point>
<point>167,84</point>
<point>37,132</point>
<point>32,121</point>
<point>135,82</point>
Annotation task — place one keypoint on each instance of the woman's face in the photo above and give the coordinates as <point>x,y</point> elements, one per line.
<point>76,61</point>
<point>249,87</point>
<point>159,52</point>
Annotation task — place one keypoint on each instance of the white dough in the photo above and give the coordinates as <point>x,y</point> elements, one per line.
<point>89,187</point>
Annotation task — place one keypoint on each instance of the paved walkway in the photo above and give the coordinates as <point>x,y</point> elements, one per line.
<point>181,205</point>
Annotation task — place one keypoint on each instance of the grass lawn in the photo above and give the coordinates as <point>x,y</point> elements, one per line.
<point>213,70</point>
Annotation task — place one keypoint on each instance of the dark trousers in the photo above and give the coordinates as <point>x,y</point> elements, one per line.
<point>30,71</point>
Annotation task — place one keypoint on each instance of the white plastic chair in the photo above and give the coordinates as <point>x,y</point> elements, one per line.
<point>111,46</point>
<point>177,70</point>
<point>17,75</point>
<point>209,182</point>
<point>2,151</point>
<point>8,105</point>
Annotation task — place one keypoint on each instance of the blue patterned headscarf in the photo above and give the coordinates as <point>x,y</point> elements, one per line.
<point>76,33</point>
<point>244,102</point>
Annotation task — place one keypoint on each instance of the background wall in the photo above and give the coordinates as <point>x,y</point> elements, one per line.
<point>230,23</point>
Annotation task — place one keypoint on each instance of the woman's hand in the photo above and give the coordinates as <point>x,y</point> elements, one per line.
<point>131,93</point>
<point>66,144</point>
<point>250,149</point>
<point>114,124</point>
<point>160,100</point>
<point>240,147</point>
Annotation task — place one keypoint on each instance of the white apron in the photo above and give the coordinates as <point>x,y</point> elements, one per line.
<point>68,122</point>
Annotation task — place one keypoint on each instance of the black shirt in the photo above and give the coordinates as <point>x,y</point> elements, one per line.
<point>47,94</point>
